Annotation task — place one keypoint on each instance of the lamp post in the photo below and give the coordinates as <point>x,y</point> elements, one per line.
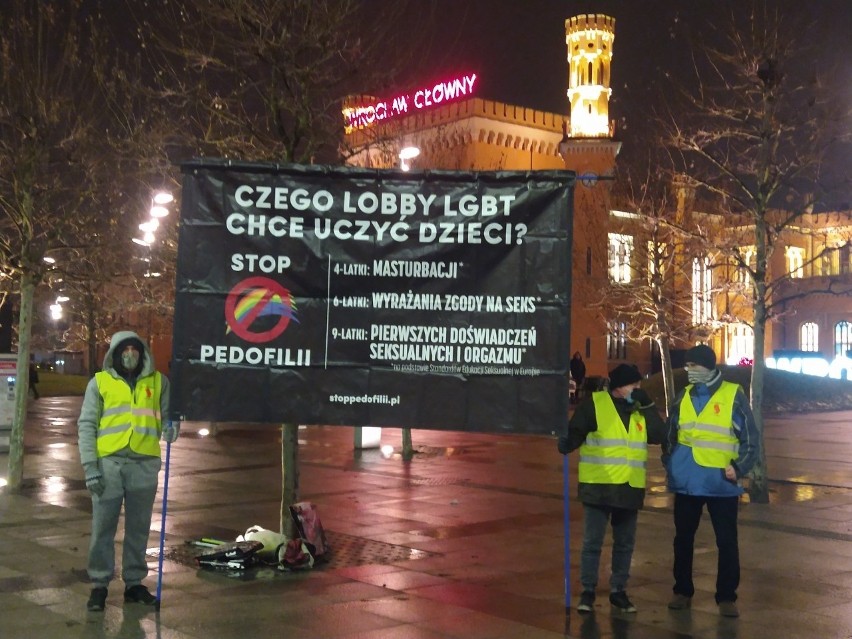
<point>407,154</point>
<point>157,211</point>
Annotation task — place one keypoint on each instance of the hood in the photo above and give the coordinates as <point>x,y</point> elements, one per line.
<point>147,358</point>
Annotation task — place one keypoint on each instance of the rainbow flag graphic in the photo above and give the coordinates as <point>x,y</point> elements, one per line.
<point>274,304</point>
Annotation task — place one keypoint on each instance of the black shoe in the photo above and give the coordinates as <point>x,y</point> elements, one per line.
<point>587,601</point>
<point>620,601</point>
<point>139,594</point>
<point>97,600</point>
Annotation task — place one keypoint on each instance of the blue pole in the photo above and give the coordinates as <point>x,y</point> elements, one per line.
<point>567,535</point>
<point>163,524</point>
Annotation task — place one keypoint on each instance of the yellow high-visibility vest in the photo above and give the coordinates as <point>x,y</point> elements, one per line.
<point>710,434</point>
<point>611,454</point>
<point>130,419</point>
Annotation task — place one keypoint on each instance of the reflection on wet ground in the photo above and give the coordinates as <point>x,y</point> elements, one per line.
<point>465,540</point>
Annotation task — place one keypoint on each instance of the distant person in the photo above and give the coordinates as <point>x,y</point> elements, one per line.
<point>612,429</point>
<point>714,444</point>
<point>119,432</point>
<point>578,372</point>
<point>34,379</point>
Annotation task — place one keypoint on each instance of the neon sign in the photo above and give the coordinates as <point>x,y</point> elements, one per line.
<point>359,117</point>
<point>813,366</point>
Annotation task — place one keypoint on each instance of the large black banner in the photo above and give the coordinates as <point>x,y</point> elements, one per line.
<point>331,295</point>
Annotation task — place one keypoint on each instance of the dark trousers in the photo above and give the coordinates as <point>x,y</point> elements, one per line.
<point>623,524</point>
<point>723,515</point>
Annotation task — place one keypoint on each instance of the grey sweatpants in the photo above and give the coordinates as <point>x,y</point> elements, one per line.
<point>133,482</point>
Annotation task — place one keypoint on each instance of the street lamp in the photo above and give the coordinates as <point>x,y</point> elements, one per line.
<point>407,153</point>
<point>564,143</point>
<point>158,210</point>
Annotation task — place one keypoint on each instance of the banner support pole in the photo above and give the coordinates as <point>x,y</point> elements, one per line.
<point>163,526</point>
<point>567,535</point>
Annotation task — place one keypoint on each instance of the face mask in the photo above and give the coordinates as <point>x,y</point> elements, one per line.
<point>699,376</point>
<point>629,399</point>
<point>129,361</point>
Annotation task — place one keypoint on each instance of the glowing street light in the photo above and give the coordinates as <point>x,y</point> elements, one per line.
<point>163,197</point>
<point>407,153</point>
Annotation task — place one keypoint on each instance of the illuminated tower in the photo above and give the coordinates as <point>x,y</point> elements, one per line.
<point>589,39</point>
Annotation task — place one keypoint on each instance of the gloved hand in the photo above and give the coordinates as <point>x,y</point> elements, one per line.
<point>641,398</point>
<point>562,445</point>
<point>171,430</point>
<point>95,483</point>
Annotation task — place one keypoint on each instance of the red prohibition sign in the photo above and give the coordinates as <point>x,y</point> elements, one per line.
<point>242,325</point>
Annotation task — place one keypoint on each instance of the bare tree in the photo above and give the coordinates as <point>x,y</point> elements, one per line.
<point>753,137</point>
<point>266,80</point>
<point>51,127</point>
<point>650,297</point>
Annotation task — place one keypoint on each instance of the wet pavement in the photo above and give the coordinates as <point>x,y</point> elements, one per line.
<point>466,540</point>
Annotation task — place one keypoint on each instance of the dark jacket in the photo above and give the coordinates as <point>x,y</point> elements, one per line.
<point>684,474</point>
<point>584,422</point>
<point>578,370</point>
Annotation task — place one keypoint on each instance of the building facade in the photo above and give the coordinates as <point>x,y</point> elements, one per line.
<point>811,268</point>
<point>477,134</point>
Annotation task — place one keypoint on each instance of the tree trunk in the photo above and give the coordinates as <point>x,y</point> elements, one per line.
<point>91,341</point>
<point>289,476</point>
<point>407,446</point>
<point>759,487</point>
<point>668,373</point>
<point>22,384</point>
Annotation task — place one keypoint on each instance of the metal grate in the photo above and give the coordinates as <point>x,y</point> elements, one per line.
<point>347,550</point>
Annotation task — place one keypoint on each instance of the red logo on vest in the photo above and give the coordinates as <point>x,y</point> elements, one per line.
<point>717,408</point>
<point>148,392</point>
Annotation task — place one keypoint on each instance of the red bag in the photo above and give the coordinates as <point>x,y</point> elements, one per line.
<point>310,527</point>
<point>295,556</point>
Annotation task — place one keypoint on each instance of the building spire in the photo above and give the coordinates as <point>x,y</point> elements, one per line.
<point>589,38</point>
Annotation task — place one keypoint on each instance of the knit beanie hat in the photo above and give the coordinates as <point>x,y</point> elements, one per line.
<point>622,375</point>
<point>702,355</point>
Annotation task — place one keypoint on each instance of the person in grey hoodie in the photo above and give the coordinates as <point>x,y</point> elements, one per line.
<point>119,432</point>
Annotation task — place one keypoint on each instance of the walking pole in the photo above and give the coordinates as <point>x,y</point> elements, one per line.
<point>163,525</point>
<point>567,525</point>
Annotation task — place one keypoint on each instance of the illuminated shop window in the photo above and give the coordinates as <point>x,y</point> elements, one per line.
<point>809,337</point>
<point>620,250</point>
<point>795,261</point>
<point>702,308</point>
<point>842,338</point>
<point>741,342</point>
<point>616,340</point>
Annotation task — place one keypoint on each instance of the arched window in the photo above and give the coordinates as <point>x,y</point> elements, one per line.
<point>809,337</point>
<point>842,338</point>
<point>795,261</point>
<point>591,73</point>
<point>620,252</point>
<point>616,340</point>
<point>702,304</point>
<point>741,342</point>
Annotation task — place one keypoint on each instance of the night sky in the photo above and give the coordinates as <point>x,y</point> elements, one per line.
<point>517,47</point>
